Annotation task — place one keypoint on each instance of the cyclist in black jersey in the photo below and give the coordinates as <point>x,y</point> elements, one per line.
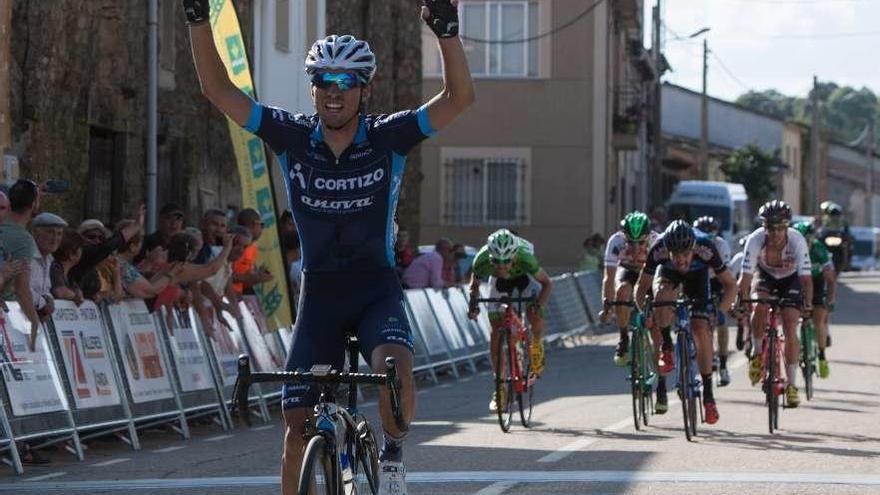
<point>343,169</point>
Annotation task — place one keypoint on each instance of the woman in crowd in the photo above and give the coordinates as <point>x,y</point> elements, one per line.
<point>66,257</point>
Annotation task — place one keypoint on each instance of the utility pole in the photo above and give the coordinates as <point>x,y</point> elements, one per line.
<point>658,88</point>
<point>869,152</point>
<point>152,110</point>
<point>813,183</point>
<point>704,116</point>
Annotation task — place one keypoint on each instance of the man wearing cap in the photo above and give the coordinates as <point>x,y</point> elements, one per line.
<point>245,273</point>
<point>99,244</point>
<point>18,245</point>
<point>170,222</point>
<point>47,229</point>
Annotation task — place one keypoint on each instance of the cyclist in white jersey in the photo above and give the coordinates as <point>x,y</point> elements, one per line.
<point>779,254</point>
<point>712,229</point>
<point>625,255</point>
<point>742,321</point>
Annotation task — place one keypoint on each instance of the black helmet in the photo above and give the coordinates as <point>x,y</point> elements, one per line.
<point>707,224</point>
<point>679,236</point>
<point>775,212</point>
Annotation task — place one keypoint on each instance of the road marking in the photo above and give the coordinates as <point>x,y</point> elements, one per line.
<point>169,449</point>
<point>111,462</point>
<point>217,438</point>
<point>47,476</point>
<point>496,488</point>
<point>531,477</point>
<point>261,428</point>
<point>577,445</point>
<point>433,423</point>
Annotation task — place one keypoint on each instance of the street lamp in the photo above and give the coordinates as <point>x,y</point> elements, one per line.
<point>701,31</point>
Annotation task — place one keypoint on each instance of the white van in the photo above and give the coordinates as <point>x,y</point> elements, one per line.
<point>866,249</point>
<point>725,201</point>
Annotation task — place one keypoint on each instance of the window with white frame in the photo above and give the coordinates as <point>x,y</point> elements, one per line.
<point>485,191</point>
<point>507,22</point>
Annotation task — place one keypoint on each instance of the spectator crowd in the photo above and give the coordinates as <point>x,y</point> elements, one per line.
<point>44,259</point>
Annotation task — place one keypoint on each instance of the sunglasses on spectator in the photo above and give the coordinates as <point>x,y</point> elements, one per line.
<point>94,236</point>
<point>343,80</point>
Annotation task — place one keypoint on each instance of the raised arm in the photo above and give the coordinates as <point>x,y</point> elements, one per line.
<point>458,87</point>
<point>213,78</point>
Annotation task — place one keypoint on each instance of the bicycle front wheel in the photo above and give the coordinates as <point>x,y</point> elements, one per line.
<point>648,374</point>
<point>636,379</point>
<point>808,357</point>
<point>524,398</point>
<point>503,381</point>
<point>684,384</point>
<point>772,398</point>
<point>319,474</point>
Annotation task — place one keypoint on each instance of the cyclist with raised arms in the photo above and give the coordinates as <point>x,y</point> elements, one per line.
<point>509,264</point>
<point>824,289</point>
<point>710,227</point>
<point>625,255</point>
<point>343,169</point>
<point>679,263</point>
<point>779,254</point>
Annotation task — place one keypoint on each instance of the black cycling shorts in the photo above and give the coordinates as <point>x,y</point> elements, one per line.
<point>509,285</point>
<point>367,304</point>
<point>819,290</point>
<point>625,276</point>
<point>694,286</point>
<point>787,289</point>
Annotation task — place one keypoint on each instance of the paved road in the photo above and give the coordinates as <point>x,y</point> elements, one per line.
<point>582,440</point>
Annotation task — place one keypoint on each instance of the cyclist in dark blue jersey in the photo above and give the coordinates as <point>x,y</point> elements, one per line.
<point>679,262</point>
<point>343,170</point>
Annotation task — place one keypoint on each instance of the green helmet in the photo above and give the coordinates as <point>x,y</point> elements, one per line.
<point>502,245</point>
<point>635,226</point>
<point>805,228</point>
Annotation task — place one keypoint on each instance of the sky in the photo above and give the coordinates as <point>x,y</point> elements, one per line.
<point>778,44</point>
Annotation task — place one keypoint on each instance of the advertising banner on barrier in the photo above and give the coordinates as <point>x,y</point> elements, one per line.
<point>141,351</point>
<point>31,378</point>
<point>227,344</point>
<point>83,345</point>
<point>189,356</point>
<point>261,352</point>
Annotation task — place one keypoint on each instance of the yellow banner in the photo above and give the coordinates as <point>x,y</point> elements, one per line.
<point>256,188</point>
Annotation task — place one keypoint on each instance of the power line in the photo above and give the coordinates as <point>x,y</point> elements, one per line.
<point>798,2</point>
<point>728,71</point>
<point>798,37</point>
<point>551,32</point>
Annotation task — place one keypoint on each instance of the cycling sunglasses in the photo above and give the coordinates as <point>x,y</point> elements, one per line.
<point>344,80</point>
<point>499,261</point>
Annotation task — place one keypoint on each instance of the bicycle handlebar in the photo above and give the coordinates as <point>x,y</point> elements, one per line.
<point>331,377</point>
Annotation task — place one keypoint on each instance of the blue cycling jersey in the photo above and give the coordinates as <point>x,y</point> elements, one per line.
<point>343,206</point>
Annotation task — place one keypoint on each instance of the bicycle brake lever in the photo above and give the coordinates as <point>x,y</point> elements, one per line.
<point>394,393</point>
<point>242,386</point>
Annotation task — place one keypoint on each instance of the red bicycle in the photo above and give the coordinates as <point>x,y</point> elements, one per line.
<point>513,375</point>
<point>772,361</point>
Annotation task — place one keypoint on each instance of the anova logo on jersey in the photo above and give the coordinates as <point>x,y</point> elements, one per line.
<point>337,205</point>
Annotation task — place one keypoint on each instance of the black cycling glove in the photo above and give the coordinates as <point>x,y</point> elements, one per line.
<point>443,18</point>
<point>197,11</point>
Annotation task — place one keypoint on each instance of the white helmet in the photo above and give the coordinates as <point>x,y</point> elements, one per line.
<point>502,245</point>
<point>342,52</point>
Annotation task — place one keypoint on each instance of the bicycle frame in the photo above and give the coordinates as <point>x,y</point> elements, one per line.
<point>683,332</point>
<point>513,329</point>
<point>779,358</point>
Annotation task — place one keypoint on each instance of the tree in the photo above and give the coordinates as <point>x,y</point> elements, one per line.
<point>769,101</point>
<point>755,170</point>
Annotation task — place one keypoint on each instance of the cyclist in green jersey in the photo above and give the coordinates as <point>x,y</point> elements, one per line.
<point>824,289</point>
<point>509,264</point>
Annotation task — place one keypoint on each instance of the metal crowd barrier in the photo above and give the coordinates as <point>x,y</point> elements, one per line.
<point>115,370</point>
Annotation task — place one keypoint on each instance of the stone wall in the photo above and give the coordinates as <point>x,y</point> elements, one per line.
<point>79,67</point>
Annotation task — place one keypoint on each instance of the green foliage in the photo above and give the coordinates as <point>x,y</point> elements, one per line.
<point>845,110</point>
<point>755,170</point>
